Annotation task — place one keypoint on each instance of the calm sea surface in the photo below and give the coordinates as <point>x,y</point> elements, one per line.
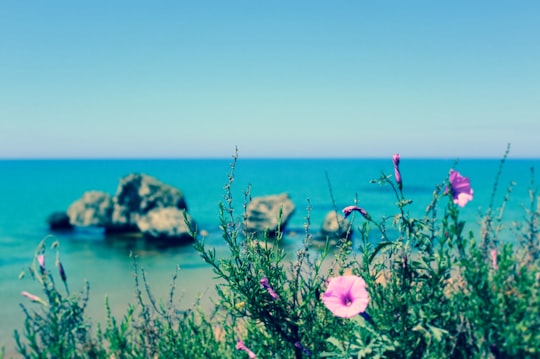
<point>31,190</point>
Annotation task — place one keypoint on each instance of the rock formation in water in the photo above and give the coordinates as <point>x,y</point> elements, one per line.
<point>267,214</point>
<point>141,204</point>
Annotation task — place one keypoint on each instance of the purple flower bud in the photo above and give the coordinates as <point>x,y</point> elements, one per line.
<point>348,210</point>
<point>305,350</point>
<point>266,285</point>
<point>62,272</point>
<point>240,346</point>
<point>397,173</point>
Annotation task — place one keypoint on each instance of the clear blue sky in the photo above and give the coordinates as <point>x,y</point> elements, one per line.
<point>290,78</point>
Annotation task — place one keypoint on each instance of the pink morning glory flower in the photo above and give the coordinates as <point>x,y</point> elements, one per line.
<point>266,285</point>
<point>240,346</point>
<point>346,296</point>
<point>461,188</point>
<point>397,173</point>
<point>349,209</point>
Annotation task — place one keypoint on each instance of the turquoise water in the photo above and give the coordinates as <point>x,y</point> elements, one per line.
<point>31,190</point>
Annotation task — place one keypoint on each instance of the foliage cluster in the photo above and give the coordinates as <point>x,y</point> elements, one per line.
<point>435,292</point>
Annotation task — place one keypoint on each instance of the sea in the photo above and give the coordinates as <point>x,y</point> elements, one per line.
<point>30,190</point>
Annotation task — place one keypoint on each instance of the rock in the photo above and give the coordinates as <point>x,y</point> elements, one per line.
<point>59,221</point>
<point>263,214</point>
<point>166,224</point>
<point>138,194</point>
<point>335,227</point>
<point>142,205</point>
<point>93,209</point>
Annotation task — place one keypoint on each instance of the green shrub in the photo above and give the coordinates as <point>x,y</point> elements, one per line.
<point>432,289</point>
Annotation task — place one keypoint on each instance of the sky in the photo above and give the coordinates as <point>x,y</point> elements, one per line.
<point>280,79</point>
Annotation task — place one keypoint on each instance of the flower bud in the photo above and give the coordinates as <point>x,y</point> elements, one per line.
<point>33,298</point>
<point>305,350</point>
<point>397,173</point>
<point>41,262</point>
<point>61,271</point>
<point>494,259</point>
<point>266,285</point>
<point>348,210</point>
<point>240,346</point>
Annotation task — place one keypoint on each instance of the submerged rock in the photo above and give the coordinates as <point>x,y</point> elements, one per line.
<point>268,213</point>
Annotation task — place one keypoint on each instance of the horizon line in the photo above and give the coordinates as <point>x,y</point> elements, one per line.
<point>257,158</point>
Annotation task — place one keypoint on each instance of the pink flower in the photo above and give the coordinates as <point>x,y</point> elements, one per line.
<point>266,285</point>
<point>240,346</point>
<point>494,259</point>
<point>461,188</point>
<point>348,210</point>
<point>41,261</point>
<point>33,298</point>
<point>397,173</point>
<point>346,296</point>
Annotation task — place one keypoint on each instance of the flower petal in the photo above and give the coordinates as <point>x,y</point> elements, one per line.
<point>462,198</point>
<point>461,188</point>
<point>359,295</point>
<point>346,296</point>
